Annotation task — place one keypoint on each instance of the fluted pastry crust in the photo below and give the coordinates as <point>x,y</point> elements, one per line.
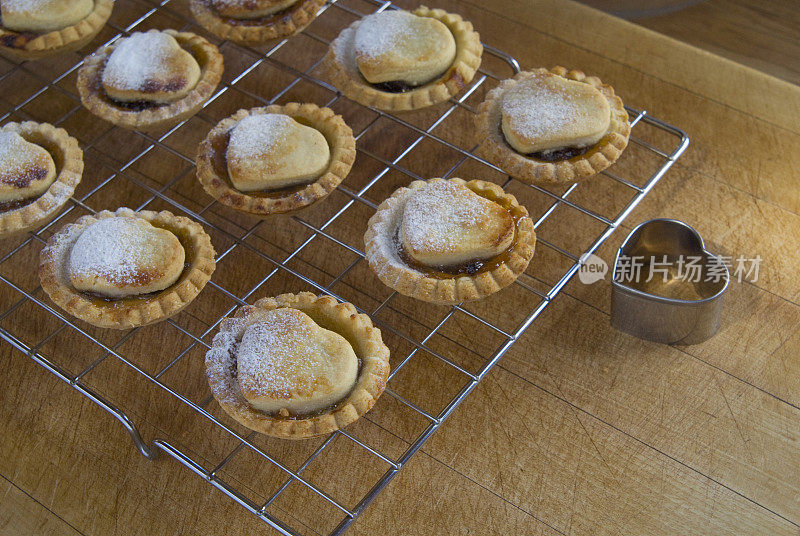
<point>382,256</point>
<point>328,313</point>
<point>342,149</point>
<point>251,33</point>
<point>125,313</point>
<point>25,46</point>
<point>344,74</point>
<point>600,156</point>
<point>69,166</point>
<point>154,116</point>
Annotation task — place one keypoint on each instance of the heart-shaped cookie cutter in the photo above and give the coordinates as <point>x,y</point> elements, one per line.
<point>675,294</point>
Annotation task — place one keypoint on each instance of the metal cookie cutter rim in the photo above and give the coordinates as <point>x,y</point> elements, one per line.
<point>659,319</point>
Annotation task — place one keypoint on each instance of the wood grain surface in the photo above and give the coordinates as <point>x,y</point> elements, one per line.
<point>762,35</point>
<point>580,429</point>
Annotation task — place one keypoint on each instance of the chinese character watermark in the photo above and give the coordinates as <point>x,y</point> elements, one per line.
<point>689,268</point>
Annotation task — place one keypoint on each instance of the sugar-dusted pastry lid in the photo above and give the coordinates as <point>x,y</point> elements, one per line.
<point>96,101</point>
<point>269,151</point>
<point>130,75</point>
<point>384,259</point>
<point>68,158</point>
<point>445,224</point>
<point>120,257</point>
<point>328,313</point>
<point>397,46</point>
<point>216,182</point>
<point>600,156</point>
<point>344,74</point>
<point>133,311</point>
<point>31,46</point>
<point>253,33</point>
<point>287,364</point>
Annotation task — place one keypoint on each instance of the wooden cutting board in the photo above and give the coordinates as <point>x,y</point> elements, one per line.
<point>580,429</point>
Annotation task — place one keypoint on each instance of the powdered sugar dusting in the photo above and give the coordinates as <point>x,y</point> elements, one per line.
<point>26,5</point>
<point>15,157</point>
<point>275,357</point>
<point>33,6</point>
<point>539,111</point>
<point>437,215</point>
<point>278,360</point>
<point>138,59</point>
<point>381,33</point>
<point>259,134</point>
<point>220,363</point>
<point>118,250</point>
<point>44,16</point>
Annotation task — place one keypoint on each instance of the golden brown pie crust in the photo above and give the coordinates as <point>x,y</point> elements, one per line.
<point>256,32</point>
<point>152,116</point>
<point>428,285</point>
<point>344,73</point>
<point>129,312</point>
<point>326,311</point>
<point>213,175</point>
<point>32,46</point>
<point>68,158</point>
<point>600,156</point>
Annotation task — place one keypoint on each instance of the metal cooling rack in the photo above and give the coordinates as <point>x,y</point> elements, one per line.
<point>537,292</point>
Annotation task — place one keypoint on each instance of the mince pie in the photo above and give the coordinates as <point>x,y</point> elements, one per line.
<point>552,126</point>
<point>33,29</point>
<point>449,241</point>
<point>297,365</point>
<point>275,159</point>
<point>399,60</point>
<point>150,80</point>
<point>125,269</point>
<point>40,166</point>
<point>254,22</point>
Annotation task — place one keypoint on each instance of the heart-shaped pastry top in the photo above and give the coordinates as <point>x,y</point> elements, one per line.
<point>43,15</point>
<point>26,169</point>
<point>150,67</point>
<point>250,9</point>
<point>268,151</point>
<point>125,256</point>
<point>400,46</point>
<point>547,112</point>
<point>286,362</point>
<point>446,224</point>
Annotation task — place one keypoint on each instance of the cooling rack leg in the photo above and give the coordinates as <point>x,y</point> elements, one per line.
<point>147,451</point>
